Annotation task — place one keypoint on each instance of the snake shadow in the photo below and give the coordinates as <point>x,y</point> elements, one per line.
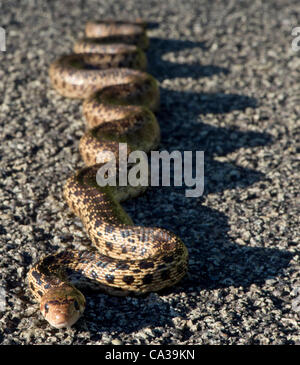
<point>163,69</point>
<point>216,260</point>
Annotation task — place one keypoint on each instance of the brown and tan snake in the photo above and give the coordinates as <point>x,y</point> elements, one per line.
<point>107,70</point>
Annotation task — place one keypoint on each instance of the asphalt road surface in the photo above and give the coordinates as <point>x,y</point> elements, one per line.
<point>229,80</point>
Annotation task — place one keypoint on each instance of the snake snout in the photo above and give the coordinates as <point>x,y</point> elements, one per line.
<point>62,308</point>
<point>61,319</point>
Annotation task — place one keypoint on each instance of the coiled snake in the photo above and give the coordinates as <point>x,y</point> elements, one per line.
<point>107,70</point>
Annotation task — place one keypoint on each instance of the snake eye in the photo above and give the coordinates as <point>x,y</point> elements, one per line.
<point>46,307</point>
<point>76,305</point>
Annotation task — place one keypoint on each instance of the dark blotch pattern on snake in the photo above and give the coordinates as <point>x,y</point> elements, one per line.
<point>107,70</point>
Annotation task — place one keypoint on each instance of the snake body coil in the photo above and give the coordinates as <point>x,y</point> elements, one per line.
<point>120,98</point>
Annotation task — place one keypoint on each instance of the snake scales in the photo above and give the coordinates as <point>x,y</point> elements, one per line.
<point>107,70</point>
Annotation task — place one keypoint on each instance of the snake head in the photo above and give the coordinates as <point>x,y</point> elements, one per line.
<point>62,306</point>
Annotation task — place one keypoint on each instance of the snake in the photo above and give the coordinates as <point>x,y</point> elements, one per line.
<point>108,72</point>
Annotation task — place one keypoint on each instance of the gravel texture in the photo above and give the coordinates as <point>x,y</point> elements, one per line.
<point>230,87</point>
